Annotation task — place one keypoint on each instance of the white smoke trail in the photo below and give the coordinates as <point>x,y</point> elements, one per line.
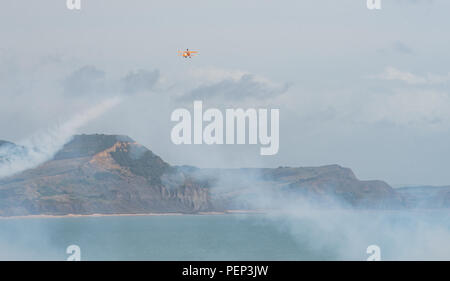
<point>43,146</point>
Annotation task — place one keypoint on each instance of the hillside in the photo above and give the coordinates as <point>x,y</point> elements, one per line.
<point>99,174</point>
<point>430,197</point>
<point>112,174</point>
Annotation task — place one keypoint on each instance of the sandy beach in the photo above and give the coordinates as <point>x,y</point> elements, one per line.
<point>227,212</point>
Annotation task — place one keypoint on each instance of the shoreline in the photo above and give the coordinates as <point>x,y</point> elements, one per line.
<point>227,212</point>
<point>208,213</point>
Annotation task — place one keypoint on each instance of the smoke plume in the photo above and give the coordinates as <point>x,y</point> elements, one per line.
<point>41,147</point>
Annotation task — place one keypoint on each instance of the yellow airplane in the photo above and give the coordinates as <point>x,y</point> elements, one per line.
<point>187,53</point>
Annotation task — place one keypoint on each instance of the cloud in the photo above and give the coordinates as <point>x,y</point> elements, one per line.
<point>422,104</point>
<point>401,47</point>
<point>89,80</point>
<point>235,87</point>
<point>139,81</point>
<point>214,74</point>
<point>396,48</point>
<point>394,74</point>
<point>84,81</point>
<point>391,73</point>
<point>410,108</point>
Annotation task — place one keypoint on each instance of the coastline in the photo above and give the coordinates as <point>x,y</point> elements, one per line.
<point>227,212</point>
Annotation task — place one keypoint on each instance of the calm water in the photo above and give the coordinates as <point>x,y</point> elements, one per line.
<point>228,237</point>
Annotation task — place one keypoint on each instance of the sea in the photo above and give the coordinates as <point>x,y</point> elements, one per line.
<point>327,235</point>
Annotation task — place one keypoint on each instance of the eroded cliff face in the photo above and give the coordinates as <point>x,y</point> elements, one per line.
<point>330,186</point>
<point>100,174</point>
<point>111,174</point>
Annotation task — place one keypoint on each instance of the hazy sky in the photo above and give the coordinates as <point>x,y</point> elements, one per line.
<point>364,89</point>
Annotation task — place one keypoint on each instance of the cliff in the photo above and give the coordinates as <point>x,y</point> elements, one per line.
<point>112,174</point>
<point>99,174</point>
